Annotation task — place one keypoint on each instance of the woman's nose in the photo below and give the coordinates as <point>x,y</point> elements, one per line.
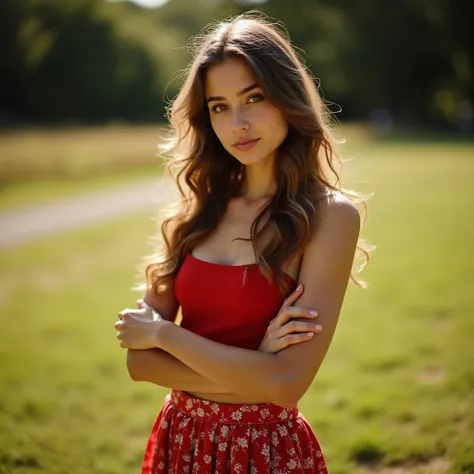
<point>239,122</point>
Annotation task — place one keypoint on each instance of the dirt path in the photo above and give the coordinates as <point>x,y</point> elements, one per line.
<point>28,224</point>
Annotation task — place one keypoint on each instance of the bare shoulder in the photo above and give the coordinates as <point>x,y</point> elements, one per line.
<point>338,213</point>
<point>334,239</point>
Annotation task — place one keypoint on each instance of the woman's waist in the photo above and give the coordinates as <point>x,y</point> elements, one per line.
<point>229,409</point>
<point>230,398</point>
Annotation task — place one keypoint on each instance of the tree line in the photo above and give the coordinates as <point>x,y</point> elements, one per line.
<point>92,61</point>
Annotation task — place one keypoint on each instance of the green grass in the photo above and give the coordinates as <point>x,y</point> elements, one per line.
<point>395,393</point>
<point>37,166</point>
<point>27,193</point>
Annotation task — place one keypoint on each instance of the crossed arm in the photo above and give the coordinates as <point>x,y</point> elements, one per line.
<point>161,368</point>
<point>280,378</point>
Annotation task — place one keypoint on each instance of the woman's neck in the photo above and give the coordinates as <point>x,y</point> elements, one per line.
<point>259,182</point>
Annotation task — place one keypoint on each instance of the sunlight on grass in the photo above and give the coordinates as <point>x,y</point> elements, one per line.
<point>394,395</point>
<point>37,166</point>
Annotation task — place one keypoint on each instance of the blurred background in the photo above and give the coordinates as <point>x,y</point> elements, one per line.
<point>84,86</point>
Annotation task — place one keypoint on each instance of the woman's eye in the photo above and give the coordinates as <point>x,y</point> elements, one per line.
<point>218,108</point>
<point>255,98</point>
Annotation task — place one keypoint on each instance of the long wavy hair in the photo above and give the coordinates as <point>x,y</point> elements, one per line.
<point>207,176</point>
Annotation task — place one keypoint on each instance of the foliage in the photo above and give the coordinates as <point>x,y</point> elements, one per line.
<point>95,61</point>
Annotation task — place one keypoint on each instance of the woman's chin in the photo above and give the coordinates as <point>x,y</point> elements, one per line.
<point>248,159</point>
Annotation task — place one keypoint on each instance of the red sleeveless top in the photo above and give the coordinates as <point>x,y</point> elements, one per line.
<point>229,304</point>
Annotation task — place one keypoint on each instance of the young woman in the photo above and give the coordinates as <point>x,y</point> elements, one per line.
<point>261,227</point>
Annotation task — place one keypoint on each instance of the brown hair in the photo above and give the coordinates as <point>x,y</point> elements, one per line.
<point>305,159</point>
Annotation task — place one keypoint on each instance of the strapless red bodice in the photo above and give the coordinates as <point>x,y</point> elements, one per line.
<point>232,305</point>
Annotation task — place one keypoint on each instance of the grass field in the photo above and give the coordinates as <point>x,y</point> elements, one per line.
<point>37,166</point>
<point>395,394</point>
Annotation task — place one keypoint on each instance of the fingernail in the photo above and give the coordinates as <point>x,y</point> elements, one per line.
<point>309,334</point>
<point>313,313</point>
<point>318,327</point>
<point>300,286</point>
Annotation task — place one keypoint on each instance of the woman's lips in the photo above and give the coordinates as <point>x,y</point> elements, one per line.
<point>247,145</point>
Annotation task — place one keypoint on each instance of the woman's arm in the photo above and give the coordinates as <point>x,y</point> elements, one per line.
<point>158,367</point>
<point>282,378</point>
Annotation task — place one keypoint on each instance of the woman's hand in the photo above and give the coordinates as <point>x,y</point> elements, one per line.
<point>282,332</point>
<point>138,328</point>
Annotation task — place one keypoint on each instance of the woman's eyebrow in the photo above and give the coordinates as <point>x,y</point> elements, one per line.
<point>242,92</point>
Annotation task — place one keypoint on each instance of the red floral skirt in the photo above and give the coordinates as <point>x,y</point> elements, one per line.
<point>198,436</point>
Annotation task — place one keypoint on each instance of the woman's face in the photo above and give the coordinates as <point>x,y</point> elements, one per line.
<point>247,124</point>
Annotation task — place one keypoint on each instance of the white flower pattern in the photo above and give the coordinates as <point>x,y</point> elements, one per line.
<point>197,436</point>
<point>236,415</point>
